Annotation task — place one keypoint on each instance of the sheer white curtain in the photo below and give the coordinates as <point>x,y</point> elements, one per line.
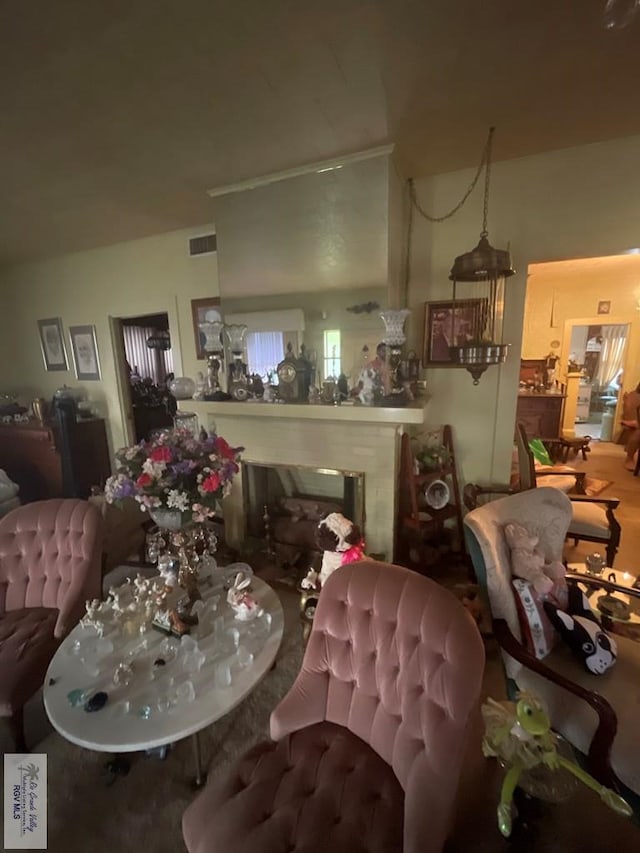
<point>150,363</point>
<point>611,353</point>
<point>264,351</point>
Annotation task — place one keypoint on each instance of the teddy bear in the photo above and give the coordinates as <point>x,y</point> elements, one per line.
<point>528,562</point>
<point>341,543</point>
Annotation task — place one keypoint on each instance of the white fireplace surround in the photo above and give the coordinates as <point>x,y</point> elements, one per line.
<point>349,438</point>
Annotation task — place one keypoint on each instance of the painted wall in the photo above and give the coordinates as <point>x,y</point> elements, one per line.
<point>139,277</point>
<point>578,202</point>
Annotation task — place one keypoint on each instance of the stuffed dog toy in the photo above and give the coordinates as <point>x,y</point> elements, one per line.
<point>341,542</point>
<point>580,629</point>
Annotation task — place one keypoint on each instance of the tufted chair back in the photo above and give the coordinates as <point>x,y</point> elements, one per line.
<point>397,660</point>
<point>50,557</point>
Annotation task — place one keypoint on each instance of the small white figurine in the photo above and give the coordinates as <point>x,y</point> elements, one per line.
<point>242,602</point>
<point>92,619</point>
<point>141,585</point>
<point>114,599</point>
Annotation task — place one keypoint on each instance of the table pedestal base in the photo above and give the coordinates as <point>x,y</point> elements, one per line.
<point>200,777</point>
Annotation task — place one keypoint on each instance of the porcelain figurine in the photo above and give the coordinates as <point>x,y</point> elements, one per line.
<point>241,601</point>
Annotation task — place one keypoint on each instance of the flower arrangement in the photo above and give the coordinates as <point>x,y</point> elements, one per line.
<point>175,471</point>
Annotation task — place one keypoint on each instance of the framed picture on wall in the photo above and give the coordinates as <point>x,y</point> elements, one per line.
<point>204,311</point>
<point>52,344</point>
<point>604,307</point>
<point>446,325</point>
<point>85,352</point>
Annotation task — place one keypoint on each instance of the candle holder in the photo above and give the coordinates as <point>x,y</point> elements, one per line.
<point>237,382</point>
<point>394,338</point>
<point>214,348</point>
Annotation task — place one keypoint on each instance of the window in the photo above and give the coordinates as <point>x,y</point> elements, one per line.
<point>265,350</point>
<point>332,353</point>
<point>147,363</point>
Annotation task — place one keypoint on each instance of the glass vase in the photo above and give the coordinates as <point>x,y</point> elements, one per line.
<point>167,519</point>
<point>236,333</point>
<point>213,336</point>
<point>394,321</point>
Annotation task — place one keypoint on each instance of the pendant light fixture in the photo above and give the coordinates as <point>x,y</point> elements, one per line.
<point>478,280</point>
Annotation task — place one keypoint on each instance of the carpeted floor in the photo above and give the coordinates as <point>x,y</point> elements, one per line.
<point>143,810</point>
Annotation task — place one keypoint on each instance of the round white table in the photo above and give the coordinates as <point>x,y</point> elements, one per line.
<point>135,716</point>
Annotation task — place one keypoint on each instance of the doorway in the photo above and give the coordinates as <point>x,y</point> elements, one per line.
<point>582,316</point>
<point>145,368</point>
<point>597,351</point>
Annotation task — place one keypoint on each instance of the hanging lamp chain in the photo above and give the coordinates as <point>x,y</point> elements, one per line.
<point>485,161</point>
<point>487,182</point>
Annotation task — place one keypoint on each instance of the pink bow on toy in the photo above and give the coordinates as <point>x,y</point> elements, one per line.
<point>355,553</point>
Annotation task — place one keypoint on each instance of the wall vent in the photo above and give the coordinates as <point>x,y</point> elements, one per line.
<point>205,245</point>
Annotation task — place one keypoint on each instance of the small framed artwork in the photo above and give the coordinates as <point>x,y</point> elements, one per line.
<point>604,307</point>
<point>204,311</point>
<point>52,344</point>
<point>447,324</point>
<point>85,352</point>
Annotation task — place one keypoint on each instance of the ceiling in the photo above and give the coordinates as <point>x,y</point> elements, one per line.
<point>117,117</point>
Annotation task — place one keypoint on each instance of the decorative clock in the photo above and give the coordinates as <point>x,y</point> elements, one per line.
<point>294,377</point>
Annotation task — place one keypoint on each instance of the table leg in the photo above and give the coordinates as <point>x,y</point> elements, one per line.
<point>119,765</point>
<point>200,777</point>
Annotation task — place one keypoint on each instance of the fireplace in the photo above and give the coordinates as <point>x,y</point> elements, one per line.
<point>346,439</point>
<point>284,503</point>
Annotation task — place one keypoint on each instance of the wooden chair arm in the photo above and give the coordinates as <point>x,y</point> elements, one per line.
<point>600,747</point>
<point>568,472</point>
<point>610,503</point>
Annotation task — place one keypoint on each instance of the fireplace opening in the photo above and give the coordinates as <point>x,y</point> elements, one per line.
<point>284,503</point>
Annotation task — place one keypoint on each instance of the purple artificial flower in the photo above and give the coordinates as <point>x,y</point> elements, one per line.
<point>184,467</point>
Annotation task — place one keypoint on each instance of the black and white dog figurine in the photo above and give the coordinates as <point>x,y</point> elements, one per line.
<point>341,542</point>
<point>580,629</point>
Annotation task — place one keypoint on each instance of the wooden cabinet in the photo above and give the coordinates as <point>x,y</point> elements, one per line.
<point>36,458</point>
<point>540,414</point>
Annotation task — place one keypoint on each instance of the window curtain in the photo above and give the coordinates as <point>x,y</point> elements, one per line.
<point>611,353</point>
<point>264,351</point>
<point>150,363</point>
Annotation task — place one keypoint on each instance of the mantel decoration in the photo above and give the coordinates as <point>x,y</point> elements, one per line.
<point>471,324</point>
<point>179,480</point>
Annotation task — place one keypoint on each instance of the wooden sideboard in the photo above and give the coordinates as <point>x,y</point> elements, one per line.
<point>540,413</point>
<point>32,456</point>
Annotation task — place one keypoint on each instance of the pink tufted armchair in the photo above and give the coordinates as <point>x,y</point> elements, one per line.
<point>49,565</point>
<point>368,743</point>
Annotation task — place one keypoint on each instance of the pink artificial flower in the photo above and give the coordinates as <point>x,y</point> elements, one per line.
<point>160,454</point>
<point>212,483</point>
<point>223,448</point>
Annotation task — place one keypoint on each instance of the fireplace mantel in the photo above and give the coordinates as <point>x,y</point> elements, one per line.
<point>413,414</point>
<point>360,439</point>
